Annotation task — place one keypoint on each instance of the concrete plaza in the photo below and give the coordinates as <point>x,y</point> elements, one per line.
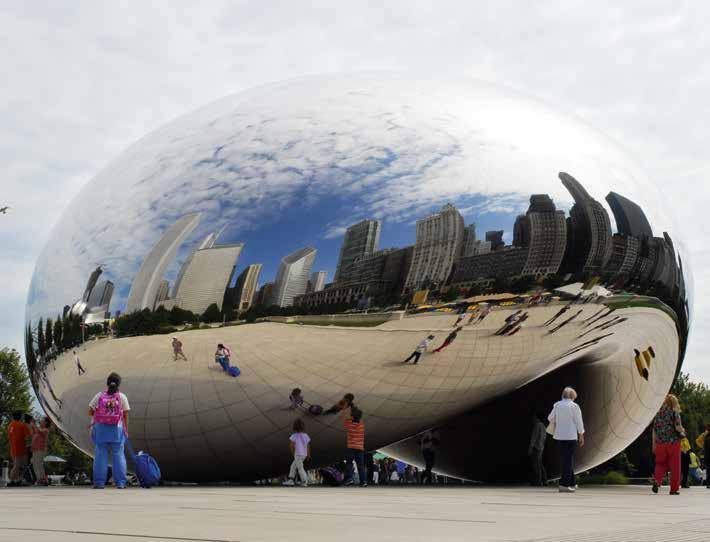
<point>314,514</point>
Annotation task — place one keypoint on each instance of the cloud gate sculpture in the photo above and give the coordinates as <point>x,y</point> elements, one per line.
<point>321,228</point>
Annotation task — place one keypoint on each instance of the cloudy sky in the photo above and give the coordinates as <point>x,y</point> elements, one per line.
<point>84,80</point>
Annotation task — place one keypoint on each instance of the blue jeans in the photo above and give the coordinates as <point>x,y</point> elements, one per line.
<point>101,453</point>
<point>224,362</point>
<point>359,457</point>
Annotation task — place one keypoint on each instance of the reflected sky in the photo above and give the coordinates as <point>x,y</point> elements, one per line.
<point>293,164</point>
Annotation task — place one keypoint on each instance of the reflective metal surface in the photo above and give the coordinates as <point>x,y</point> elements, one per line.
<point>332,196</point>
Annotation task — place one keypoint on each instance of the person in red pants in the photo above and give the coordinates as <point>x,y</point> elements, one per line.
<point>667,434</point>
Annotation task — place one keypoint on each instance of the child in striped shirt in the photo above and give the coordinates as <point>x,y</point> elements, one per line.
<point>355,428</point>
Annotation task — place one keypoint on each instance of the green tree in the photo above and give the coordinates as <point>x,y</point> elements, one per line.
<point>41,347</point>
<point>58,332</point>
<point>66,333</point>
<point>211,314</point>
<point>452,294</point>
<point>14,392</point>
<point>48,334</point>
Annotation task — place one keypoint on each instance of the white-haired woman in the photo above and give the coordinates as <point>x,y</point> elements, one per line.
<point>566,420</point>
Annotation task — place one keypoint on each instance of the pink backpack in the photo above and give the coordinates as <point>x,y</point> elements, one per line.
<point>108,410</point>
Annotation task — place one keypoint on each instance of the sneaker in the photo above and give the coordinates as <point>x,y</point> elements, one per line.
<point>363,485</point>
<point>654,488</point>
<point>98,487</point>
<point>349,483</point>
<point>674,493</point>
<point>565,489</point>
<point>303,484</point>
<point>288,482</point>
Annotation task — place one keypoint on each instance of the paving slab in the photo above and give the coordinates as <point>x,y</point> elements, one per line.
<point>314,514</point>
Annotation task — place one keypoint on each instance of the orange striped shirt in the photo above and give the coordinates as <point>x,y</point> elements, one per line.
<point>356,434</point>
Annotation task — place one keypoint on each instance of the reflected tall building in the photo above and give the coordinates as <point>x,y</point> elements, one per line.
<point>101,295</point>
<point>207,242</point>
<point>207,278</point>
<point>468,247</point>
<point>630,218</point>
<point>317,281</point>
<point>147,281</point>
<point>543,231</point>
<point>495,238</point>
<point>360,239</point>
<point>163,293</point>
<point>292,277</point>
<point>245,287</point>
<point>588,231</point>
<point>91,283</point>
<point>263,296</point>
<point>438,245</point>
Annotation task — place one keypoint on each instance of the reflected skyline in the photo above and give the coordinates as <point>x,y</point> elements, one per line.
<point>369,212</point>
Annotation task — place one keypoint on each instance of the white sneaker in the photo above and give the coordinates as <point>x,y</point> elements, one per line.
<point>303,484</point>
<point>565,489</point>
<point>288,482</point>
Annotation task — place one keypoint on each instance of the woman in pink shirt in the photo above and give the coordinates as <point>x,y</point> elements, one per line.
<point>40,435</point>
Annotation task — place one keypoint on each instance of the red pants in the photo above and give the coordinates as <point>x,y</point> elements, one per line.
<point>668,458</point>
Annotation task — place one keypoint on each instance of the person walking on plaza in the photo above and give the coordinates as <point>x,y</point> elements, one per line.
<point>567,428</point>
<point>79,368</point>
<point>483,309</point>
<point>536,449</point>
<point>422,347</point>
<point>109,412</point>
<point>451,338</point>
<point>355,441</point>
<point>40,435</point>
<point>703,443</point>
<point>177,349</point>
<point>300,445</point>
<point>17,435</point>
<point>667,434</point>
<point>684,462</point>
<point>428,443</point>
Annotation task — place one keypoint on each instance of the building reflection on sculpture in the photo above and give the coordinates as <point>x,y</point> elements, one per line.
<point>585,286</point>
<point>547,249</point>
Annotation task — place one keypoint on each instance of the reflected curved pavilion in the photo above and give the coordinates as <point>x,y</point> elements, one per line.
<point>321,228</point>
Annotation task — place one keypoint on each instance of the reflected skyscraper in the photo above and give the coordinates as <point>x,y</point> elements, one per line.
<point>630,218</point>
<point>544,232</point>
<point>292,277</point>
<point>360,239</point>
<point>439,239</point>
<point>317,281</point>
<point>101,295</point>
<point>495,238</point>
<point>207,277</point>
<point>468,247</point>
<point>146,283</point>
<point>207,242</point>
<point>245,288</point>
<point>91,283</point>
<point>588,231</point>
<point>163,293</point>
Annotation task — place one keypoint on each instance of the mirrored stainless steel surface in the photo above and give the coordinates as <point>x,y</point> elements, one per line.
<point>321,229</point>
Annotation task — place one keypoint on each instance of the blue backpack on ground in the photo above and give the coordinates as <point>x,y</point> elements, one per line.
<point>234,371</point>
<point>147,469</point>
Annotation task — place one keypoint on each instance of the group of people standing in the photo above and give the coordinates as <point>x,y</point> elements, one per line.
<point>28,442</point>
<point>354,427</point>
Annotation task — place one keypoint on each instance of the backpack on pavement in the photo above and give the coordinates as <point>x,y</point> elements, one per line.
<point>147,469</point>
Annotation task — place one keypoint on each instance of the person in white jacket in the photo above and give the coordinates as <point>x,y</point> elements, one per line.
<point>566,420</point>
